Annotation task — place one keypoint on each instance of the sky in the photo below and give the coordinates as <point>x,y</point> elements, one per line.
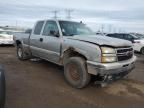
<point>109,15</point>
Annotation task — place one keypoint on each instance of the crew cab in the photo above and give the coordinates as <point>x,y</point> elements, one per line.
<point>81,52</point>
<point>137,40</point>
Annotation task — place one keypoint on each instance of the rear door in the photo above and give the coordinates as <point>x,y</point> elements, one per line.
<point>36,40</point>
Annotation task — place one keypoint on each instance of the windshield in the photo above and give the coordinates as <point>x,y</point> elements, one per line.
<point>74,28</point>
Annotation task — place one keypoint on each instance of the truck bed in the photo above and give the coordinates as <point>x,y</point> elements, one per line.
<point>22,37</point>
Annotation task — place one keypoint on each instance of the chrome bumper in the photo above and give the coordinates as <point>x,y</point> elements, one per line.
<point>111,68</point>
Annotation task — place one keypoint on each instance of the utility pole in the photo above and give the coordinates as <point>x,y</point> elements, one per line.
<point>69,11</point>
<point>110,28</point>
<point>16,24</point>
<point>102,28</point>
<point>114,30</point>
<point>120,30</point>
<point>55,12</point>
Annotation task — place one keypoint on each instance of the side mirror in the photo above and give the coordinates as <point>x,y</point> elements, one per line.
<point>54,33</point>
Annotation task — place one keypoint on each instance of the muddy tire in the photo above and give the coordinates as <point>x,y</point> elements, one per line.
<point>20,53</point>
<point>142,50</point>
<point>2,89</point>
<point>75,72</point>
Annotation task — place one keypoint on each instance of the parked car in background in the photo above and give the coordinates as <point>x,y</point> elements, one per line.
<point>81,52</point>
<point>2,88</point>
<point>137,40</point>
<point>6,37</point>
<point>139,35</point>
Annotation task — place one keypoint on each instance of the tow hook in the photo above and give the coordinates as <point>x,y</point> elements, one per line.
<point>105,80</point>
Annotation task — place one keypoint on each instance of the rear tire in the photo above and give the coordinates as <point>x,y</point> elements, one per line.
<point>142,50</point>
<point>2,90</point>
<point>75,72</point>
<point>21,54</point>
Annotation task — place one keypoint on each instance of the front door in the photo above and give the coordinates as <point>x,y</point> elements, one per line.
<point>52,41</point>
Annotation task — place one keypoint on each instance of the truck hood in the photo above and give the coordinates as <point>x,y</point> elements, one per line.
<point>102,40</point>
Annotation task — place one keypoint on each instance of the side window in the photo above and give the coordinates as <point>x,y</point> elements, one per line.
<point>110,35</point>
<point>38,27</point>
<point>50,29</point>
<point>114,35</point>
<point>127,37</point>
<point>130,37</point>
<point>120,36</point>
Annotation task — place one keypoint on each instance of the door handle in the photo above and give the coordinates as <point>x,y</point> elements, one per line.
<point>41,39</point>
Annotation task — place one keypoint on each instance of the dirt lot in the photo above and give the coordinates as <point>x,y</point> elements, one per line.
<point>40,84</point>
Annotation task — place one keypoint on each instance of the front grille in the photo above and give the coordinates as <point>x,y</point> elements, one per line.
<point>124,53</point>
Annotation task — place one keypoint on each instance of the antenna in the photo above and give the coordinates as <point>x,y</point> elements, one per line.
<point>69,11</point>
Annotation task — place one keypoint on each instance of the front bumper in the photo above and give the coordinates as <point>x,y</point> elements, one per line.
<point>111,68</point>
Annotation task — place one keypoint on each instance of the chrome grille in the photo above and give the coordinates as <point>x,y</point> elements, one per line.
<point>124,53</point>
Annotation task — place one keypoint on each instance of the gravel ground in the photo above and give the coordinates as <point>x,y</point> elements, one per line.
<point>41,84</point>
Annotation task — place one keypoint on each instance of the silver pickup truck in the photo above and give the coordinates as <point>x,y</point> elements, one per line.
<point>81,52</point>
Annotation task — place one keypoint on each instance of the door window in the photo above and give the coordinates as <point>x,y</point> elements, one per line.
<point>120,36</point>
<point>38,27</point>
<point>128,37</point>
<point>50,29</point>
<point>111,35</point>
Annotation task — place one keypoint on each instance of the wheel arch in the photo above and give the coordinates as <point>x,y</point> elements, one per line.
<point>72,52</point>
<point>18,42</point>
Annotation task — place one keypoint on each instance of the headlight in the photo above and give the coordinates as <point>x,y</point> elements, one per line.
<point>108,55</point>
<point>109,59</point>
<point>107,50</point>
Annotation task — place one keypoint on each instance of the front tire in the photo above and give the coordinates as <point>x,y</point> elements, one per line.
<point>75,72</point>
<point>20,53</point>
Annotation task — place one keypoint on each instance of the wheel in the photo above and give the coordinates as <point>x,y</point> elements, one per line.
<point>75,72</point>
<point>142,50</point>
<point>2,89</point>
<point>20,53</point>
